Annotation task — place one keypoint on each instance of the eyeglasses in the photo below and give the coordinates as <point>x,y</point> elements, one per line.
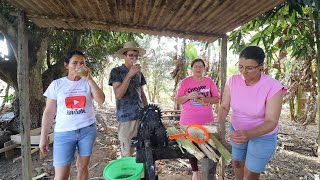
<point>247,68</point>
<point>137,56</point>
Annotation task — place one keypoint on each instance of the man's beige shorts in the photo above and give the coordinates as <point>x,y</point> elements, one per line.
<point>126,131</point>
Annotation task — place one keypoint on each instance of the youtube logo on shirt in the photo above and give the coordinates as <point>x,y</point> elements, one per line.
<point>75,102</point>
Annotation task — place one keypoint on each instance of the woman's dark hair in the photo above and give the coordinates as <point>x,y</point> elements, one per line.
<point>253,52</point>
<point>198,60</point>
<point>72,53</point>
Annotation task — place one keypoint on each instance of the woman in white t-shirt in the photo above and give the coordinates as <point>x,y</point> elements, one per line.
<point>70,104</point>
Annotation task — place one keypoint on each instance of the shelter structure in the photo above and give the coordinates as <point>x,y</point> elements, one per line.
<point>202,20</point>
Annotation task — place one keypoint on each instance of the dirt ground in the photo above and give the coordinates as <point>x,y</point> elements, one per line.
<point>294,161</point>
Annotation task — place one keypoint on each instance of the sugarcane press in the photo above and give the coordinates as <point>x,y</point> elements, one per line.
<point>152,142</point>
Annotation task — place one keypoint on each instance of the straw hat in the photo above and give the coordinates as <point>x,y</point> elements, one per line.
<point>129,46</point>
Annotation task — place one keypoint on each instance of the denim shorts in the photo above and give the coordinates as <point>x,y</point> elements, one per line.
<point>256,153</point>
<point>66,143</point>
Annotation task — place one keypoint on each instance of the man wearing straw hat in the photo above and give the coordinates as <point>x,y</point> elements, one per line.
<point>127,81</point>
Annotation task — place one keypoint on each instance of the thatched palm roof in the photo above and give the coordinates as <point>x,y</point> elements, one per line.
<point>203,20</point>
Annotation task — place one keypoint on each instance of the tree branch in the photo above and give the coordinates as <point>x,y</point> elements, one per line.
<point>10,33</point>
<point>8,72</point>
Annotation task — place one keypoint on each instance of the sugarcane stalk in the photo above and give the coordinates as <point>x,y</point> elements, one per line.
<point>210,128</point>
<point>212,151</point>
<point>206,148</point>
<point>223,151</point>
<point>186,144</point>
<point>207,152</point>
<point>210,141</point>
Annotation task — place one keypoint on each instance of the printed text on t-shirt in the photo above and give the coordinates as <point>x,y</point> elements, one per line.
<point>201,90</point>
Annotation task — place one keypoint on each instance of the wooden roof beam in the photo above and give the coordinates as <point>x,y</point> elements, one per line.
<point>112,26</point>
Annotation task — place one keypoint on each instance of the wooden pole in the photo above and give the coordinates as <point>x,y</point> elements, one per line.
<point>223,75</point>
<point>223,78</point>
<point>23,86</point>
<point>208,169</point>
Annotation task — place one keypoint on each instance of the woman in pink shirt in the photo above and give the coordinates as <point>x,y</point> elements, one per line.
<point>197,94</point>
<point>256,102</point>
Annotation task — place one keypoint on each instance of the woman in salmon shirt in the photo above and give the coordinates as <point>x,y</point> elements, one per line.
<point>256,102</point>
<point>197,94</point>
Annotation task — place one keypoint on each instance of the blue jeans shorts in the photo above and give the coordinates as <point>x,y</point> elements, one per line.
<point>66,143</point>
<point>256,153</point>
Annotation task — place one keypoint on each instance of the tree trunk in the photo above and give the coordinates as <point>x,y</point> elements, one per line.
<point>180,71</point>
<point>291,107</point>
<point>36,110</point>
<point>37,102</point>
<point>298,105</point>
<point>317,33</point>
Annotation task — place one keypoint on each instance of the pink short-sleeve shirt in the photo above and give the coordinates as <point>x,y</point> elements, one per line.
<point>248,103</point>
<point>194,112</point>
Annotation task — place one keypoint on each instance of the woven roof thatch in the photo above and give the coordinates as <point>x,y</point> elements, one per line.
<point>203,20</point>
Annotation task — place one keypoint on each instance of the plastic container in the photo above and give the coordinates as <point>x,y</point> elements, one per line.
<point>124,168</point>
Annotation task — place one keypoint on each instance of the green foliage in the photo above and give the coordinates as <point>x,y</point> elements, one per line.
<point>6,10</point>
<point>157,66</point>
<point>96,45</point>
<point>100,44</point>
<point>8,98</point>
<point>297,5</point>
<point>280,29</point>
<point>232,70</point>
<point>288,35</point>
<point>191,52</point>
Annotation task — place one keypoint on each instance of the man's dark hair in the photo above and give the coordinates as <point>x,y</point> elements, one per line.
<point>253,52</point>
<point>125,53</point>
<point>198,60</point>
<point>72,53</point>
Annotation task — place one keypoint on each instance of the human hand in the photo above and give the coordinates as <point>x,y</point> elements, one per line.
<point>43,144</point>
<point>88,77</point>
<point>200,98</point>
<point>134,70</point>
<point>239,137</point>
<point>84,71</point>
<point>193,95</point>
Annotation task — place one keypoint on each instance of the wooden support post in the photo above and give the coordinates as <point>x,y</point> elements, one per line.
<point>24,103</point>
<point>9,153</point>
<point>224,41</point>
<point>223,75</point>
<point>208,168</point>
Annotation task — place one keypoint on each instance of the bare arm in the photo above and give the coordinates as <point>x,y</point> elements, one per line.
<point>273,110</point>
<point>96,92</point>
<point>47,121</point>
<point>121,88</point>
<point>143,97</point>
<point>210,100</point>
<point>224,107</point>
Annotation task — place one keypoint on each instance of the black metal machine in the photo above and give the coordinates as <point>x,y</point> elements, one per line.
<point>152,142</point>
